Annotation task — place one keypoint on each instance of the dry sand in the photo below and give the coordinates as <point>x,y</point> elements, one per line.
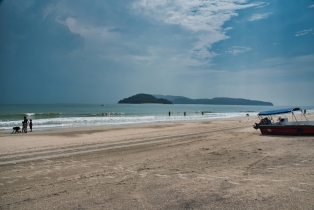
<point>223,164</point>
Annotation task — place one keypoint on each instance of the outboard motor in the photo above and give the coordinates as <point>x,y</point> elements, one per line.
<point>256,126</point>
<point>264,121</point>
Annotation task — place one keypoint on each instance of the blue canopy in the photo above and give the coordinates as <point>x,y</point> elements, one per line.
<point>279,111</point>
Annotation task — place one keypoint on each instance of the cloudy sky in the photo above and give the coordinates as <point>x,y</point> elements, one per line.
<point>80,51</point>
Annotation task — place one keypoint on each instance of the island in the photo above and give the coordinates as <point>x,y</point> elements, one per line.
<point>214,101</point>
<point>143,98</point>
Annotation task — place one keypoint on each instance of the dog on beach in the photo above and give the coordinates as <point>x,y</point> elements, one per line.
<point>16,130</point>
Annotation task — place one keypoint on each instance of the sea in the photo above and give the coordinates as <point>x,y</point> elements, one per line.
<point>53,116</point>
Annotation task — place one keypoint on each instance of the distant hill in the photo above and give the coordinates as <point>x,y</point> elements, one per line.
<point>216,101</point>
<point>144,99</point>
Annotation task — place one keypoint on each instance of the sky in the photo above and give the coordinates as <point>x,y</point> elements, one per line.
<point>80,51</point>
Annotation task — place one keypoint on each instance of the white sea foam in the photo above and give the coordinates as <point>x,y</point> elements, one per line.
<point>30,114</point>
<point>114,120</point>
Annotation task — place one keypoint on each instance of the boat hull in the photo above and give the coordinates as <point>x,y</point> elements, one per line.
<point>299,130</point>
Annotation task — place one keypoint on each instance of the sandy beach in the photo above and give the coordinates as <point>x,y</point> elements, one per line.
<point>218,164</point>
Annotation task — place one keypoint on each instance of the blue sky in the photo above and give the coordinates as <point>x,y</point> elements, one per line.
<point>80,51</point>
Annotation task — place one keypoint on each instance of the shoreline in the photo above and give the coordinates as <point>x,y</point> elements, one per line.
<point>79,127</point>
<point>65,137</point>
<point>140,124</point>
<point>173,119</point>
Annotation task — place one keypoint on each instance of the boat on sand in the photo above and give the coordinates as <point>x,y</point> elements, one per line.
<point>282,126</point>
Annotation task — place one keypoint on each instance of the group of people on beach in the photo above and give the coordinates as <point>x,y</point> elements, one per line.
<point>184,113</point>
<point>25,123</point>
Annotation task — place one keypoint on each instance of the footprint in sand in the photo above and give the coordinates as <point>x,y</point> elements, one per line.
<point>143,174</point>
<point>262,185</point>
<point>236,183</point>
<point>10,182</point>
<point>60,179</point>
<point>85,165</point>
<point>183,176</point>
<point>303,183</point>
<point>72,166</point>
<point>162,176</point>
<point>297,189</point>
<point>5,177</point>
<point>275,180</point>
<point>77,177</point>
<point>219,177</point>
<point>118,168</point>
<point>38,172</point>
<point>47,171</point>
<point>131,171</point>
<point>204,176</point>
<point>248,179</point>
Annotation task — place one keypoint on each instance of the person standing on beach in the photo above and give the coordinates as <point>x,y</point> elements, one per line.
<point>25,122</point>
<point>184,113</point>
<point>23,127</point>
<point>31,125</point>
<point>169,113</point>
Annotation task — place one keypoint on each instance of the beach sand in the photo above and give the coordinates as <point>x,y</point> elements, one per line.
<point>219,164</point>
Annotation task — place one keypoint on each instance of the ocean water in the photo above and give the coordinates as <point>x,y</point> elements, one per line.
<point>50,116</point>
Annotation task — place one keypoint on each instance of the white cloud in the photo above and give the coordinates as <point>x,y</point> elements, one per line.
<point>304,32</point>
<point>302,63</point>
<point>228,28</point>
<point>203,18</point>
<point>260,16</point>
<point>235,50</point>
<point>264,4</point>
<point>47,11</point>
<point>305,58</point>
<point>193,15</point>
<point>275,61</point>
<point>312,6</point>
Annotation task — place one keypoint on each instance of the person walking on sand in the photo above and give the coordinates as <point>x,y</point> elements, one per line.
<point>31,125</point>
<point>25,122</point>
<point>23,127</point>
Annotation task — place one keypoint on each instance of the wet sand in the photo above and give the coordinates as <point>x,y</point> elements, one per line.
<point>221,164</point>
